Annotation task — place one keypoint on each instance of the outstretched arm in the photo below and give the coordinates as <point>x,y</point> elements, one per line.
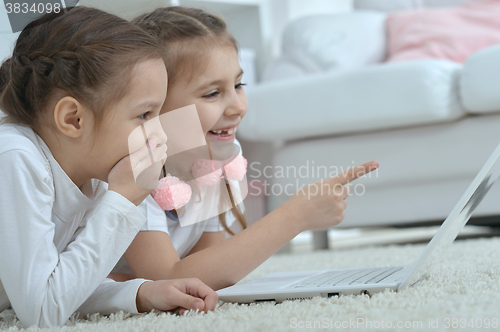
<point>152,255</point>
<point>207,240</point>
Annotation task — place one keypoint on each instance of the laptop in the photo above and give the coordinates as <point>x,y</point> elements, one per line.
<point>293,285</point>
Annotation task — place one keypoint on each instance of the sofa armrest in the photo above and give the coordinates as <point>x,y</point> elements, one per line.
<point>480,81</point>
<point>373,98</point>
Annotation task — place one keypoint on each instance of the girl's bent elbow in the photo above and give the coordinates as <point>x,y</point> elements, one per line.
<point>43,318</point>
<point>226,283</point>
<point>42,322</point>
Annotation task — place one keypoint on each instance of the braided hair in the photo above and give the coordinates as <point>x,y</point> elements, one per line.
<point>187,34</point>
<point>85,53</point>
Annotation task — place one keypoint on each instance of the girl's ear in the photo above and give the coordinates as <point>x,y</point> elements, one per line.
<point>69,117</point>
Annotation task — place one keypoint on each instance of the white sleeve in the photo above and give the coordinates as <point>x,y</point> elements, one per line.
<point>43,286</point>
<point>112,296</point>
<point>156,220</point>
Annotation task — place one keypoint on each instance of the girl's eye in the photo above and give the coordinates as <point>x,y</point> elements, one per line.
<point>239,85</point>
<point>144,116</point>
<point>211,94</point>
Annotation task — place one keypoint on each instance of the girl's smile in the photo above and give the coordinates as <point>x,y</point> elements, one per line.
<point>223,134</point>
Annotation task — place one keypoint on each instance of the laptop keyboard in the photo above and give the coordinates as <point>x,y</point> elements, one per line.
<point>347,277</point>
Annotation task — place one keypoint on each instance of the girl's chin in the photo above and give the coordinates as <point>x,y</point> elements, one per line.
<point>217,138</point>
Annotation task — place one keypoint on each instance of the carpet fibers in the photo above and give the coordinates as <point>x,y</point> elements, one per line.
<point>462,293</point>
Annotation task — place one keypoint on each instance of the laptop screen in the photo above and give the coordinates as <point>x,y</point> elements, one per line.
<point>456,220</point>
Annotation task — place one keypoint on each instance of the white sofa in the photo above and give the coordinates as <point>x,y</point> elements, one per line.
<point>431,123</point>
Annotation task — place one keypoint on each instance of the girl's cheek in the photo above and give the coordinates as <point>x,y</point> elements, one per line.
<point>135,140</point>
<point>208,117</point>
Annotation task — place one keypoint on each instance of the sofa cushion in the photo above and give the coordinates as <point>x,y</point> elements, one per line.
<point>446,33</point>
<point>406,156</point>
<point>373,98</point>
<point>480,81</point>
<point>340,41</point>
<point>289,66</point>
<point>423,171</point>
<point>396,5</point>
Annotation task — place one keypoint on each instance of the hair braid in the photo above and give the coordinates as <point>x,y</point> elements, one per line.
<point>85,53</point>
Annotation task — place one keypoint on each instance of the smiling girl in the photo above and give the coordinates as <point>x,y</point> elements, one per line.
<point>203,69</point>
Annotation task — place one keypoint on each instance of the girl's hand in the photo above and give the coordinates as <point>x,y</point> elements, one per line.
<point>321,204</point>
<point>186,294</point>
<point>136,175</point>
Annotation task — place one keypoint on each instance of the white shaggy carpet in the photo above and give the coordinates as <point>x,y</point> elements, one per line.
<point>465,287</point>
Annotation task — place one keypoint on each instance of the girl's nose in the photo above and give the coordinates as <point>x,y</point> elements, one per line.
<point>237,106</point>
<point>161,136</point>
<point>156,132</point>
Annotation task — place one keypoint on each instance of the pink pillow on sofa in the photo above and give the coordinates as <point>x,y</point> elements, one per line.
<point>447,33</point>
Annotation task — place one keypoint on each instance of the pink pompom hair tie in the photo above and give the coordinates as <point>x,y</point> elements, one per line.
<point>209,172</point>
<point>236,169</point>
<point>173,193</point>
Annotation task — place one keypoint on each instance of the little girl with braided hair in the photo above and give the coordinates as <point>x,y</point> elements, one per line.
<point>77,90</point>
<point>203,69</point>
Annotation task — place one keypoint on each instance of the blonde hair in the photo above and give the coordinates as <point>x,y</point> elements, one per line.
<point>187,34</point>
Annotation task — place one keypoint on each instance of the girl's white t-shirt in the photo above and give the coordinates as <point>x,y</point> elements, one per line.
<point>58,244</point>
<point>184,238</point>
